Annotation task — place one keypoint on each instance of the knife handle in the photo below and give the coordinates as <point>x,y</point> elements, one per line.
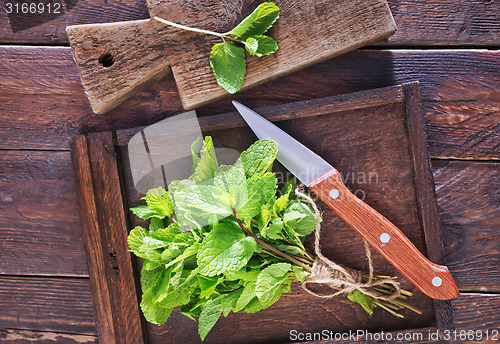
<point>432,279</point>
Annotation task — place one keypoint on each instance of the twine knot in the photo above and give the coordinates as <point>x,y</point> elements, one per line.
<point>339,278</point>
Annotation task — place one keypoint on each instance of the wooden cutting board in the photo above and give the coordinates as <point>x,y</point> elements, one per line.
<point>117,60</point>
<point>376,139</point>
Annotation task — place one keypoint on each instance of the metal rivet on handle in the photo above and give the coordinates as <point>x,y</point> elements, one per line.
<point>334,193</point>
<point>385,238</point>
<point>437,281</point>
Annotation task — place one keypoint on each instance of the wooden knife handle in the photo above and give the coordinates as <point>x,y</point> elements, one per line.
<point>432,279</point>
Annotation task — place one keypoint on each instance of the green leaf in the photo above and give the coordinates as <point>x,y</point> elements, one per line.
<point>200,205</point>
<point>207,285</point>
<point>190,251</point>
<point>282,202</point>
<point>246,296</point>
<point>269,283</point>
<point>166,234</point>
<point>364,300</point>
<point>228,301</point>
<point>159,290</point>
<point>261,45</point>
<point>156,224</point>
<point>149,277</point>
<point>181,294</point>
<point>153,312</point>
<point>143,212</point>
<point>145,246</point>
<point>206,164</point>
<point>209,315</point>
<point>258,22</point>
<point>228,63</point>
<point>260,188</point>
<point>159,201</point>
<point>301,218</point>
<point>259,157</point>
<point>300,273</point>
<point>225,248</point>
<point>232,180</point>
<point>274,231</point>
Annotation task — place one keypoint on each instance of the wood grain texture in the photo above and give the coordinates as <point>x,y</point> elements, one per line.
<point>469,208</point>
<point>40,232</point>
<point>12,336</point>
<point>46,304</point>
<point>473,22</point>
<point>105,238</point>
<point>477,312</point>
<point>459,95</point>
<point>142,52</point>
<point>395,246</point>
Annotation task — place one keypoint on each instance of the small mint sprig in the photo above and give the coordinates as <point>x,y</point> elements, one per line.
<point>228,59</point>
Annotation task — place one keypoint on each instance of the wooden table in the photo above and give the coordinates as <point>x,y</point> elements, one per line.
<point>451,47</point>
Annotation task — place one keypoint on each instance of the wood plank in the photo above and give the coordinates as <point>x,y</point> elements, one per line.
<point>105,237</point>
<point>473,22</point>
<point>477,312</point>
<point>40,231</point>
<point>459,94</point>
<point>469,208</point>
<point>11,336</point>
<point>46,304</point>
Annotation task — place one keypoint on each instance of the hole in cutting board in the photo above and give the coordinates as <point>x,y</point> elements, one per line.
<point>106,60</point>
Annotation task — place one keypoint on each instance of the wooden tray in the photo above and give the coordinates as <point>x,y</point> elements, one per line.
<point>375,138</point>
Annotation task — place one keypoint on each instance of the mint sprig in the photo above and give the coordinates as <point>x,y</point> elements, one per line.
<point>226,240</point>
<point>228,59</point>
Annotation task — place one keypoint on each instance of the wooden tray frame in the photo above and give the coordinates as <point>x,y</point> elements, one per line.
<point>103,208</point>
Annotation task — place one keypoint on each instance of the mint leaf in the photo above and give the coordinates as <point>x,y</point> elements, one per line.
<point>228,301</point>
<point>209,315</point>
<point>207,285</point>
<point>274,231</point>
<point>190,251</point>
<point>166,234</point>
<point>225,248</point>
<point>181,293</point>
<point>156,224</point>
<point>301,218</point>
<point>152,311</point>
<point>258,22</point>
<point>143,212</point>
<point>259,157</point>
<point>199,205</point>
<point>159,201</point>
<point>246,296</point>
<point>145,246</point>
<point>260,188</point>
<point>364,300</point>
<point>228,63</point>
<point>269,283</point>
<point>232,180</point>
<point>261,45</point>
<point>300,273</point>
<point>206,164</point>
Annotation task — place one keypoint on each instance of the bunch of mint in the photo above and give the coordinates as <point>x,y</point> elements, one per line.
<point>222,240</point>
<point>227,59</point>
<point>226,239</point>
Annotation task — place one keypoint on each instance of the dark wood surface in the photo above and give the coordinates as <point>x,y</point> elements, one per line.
<point>419,22</point>
<point>43,106</point>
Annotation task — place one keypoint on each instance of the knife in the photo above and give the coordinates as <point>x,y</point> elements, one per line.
<point>324,180</point>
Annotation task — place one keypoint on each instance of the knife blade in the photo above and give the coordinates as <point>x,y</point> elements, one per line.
<point>325,181</point>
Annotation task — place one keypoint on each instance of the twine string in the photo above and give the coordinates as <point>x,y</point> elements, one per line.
<point>342,279</point>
